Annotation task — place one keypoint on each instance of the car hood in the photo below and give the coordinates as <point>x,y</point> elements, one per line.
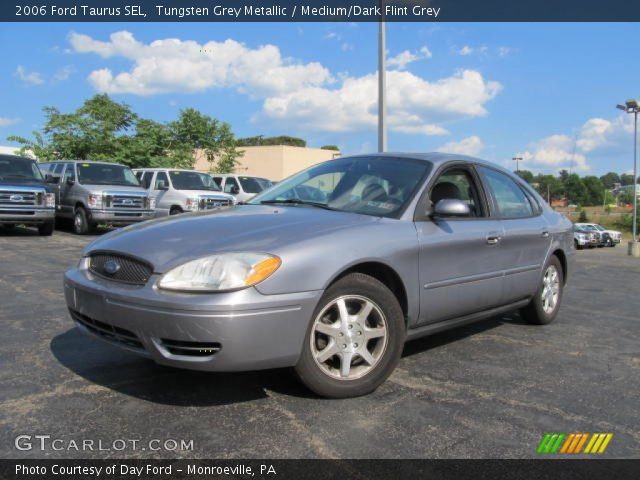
<point>8,184</point>
<point>171,241</point>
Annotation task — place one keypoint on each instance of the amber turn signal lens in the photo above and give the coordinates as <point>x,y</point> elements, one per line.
<point>262,270</point>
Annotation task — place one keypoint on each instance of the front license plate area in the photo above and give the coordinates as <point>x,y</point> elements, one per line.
<point>89,304</point>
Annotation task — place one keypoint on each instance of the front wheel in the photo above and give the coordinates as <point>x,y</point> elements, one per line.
<point>81,223</point>
<point>544,306</point>
<point>46,229</point>
<point>355,338</point>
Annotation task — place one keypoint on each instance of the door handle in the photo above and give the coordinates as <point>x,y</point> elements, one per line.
<point>493,239</point>
<point>545,234</point>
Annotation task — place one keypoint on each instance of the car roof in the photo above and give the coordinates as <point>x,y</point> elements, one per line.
<point>155,169</point>
<point>86,161</point>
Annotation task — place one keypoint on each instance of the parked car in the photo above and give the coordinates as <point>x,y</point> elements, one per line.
<point>93,193</point>
<point>610,237</point>
<point>405,245</point>
<point>585,238</point>
<point>178,191</point>
<point>25,198</point>
<point>242,187</point>
<point>598,234</point>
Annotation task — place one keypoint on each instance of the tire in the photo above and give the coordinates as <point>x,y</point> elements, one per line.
<point>538,312</point>
<point>81,223</point>
<point>46,229</point>
<point>175,211</point>
<point>609,243</point>
<point>9,226</point>
<point>383,329</point>
<point>578,247</point>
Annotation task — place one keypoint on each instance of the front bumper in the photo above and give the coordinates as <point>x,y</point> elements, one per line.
<point>234,331</point>
<point>120,216</point>
<point>27,215</point>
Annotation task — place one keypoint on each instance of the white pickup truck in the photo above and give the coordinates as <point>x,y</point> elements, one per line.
<point>612,237</point>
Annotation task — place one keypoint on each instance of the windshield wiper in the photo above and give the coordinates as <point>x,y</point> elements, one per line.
<point>297,201</point>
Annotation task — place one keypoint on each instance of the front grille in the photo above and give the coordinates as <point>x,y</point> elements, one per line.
<point>15,198</point>
<point>209,203</point>
<point>127,270</point>
<point>190,349</point>
<point>107,331</point>
<point>125,201</point>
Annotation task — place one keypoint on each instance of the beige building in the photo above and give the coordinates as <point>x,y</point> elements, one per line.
<point>274,162</point>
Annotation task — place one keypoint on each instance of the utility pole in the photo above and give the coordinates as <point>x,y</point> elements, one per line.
<point>382,94</point>
<point>631,106</point>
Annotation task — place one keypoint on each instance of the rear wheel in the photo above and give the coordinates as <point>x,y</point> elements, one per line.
<point>175,211</point>
<point>545,304</point>
<point>81,222</point>
<point>355,338</point>
<point>46,229</point>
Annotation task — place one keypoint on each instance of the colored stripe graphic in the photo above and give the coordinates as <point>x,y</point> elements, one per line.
<point>573,443</point>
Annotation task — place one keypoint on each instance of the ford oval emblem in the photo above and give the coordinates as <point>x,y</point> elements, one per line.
<point>127,201</point>
<point>16,198</point>
<point>111,267</point>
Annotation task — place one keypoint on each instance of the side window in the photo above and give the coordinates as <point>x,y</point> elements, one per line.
<point>457,184</point>
<point>218,180</point>
<point>162,181</point>
<point>139,175</point>
<point>57,170</point>
<point>69,173</point>
<point>510,199</point>
<point>44,168</point>
<point>230,184</point>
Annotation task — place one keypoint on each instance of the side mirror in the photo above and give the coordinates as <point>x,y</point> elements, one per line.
<point>70,181</point>
<point>161,185</point>
<point>235,190</point>
<point>450,207</point>
<point>51,179</point>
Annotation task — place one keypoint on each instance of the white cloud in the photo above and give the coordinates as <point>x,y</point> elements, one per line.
<point>30,78</point>
<point>596,137</point>
<point>64,73</point>
<point>467,146</point>
<point>406,57</point>
<point>293,93</point>
<point>346,47</point>
<point>174,65</point>
<point>504,51</point>
<point>466,50</point>
<point>6,121</point>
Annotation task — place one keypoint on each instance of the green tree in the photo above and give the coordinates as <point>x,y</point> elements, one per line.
<point>595,190</point>
<point>582,218</point>
<point>548,184</point>
<point>526,175</point>
<point>37,148</point>
<point>575,189</point>
<point>280,140</point>
<point>609,179</point>
<point>330,147</point>
<point>626,179</point>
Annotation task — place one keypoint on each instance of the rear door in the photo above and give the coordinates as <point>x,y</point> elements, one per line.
<point>527,238</point>
<point>67,183</point>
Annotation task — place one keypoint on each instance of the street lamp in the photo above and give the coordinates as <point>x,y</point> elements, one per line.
<point>517,160</point>
<point>631,106</point>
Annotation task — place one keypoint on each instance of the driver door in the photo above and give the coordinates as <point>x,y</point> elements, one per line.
<point>459,261</point>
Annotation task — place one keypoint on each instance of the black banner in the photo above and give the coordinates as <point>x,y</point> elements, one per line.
<point>320,469</point>
<point>319,11</point>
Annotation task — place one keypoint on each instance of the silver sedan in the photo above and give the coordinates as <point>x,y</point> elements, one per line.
<point>329,271</point>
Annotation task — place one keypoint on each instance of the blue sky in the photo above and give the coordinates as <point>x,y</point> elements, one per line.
<point>546,92</point>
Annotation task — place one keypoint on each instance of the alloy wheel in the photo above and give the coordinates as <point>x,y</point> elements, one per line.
<point>349,337</point>
<point>550,289</point>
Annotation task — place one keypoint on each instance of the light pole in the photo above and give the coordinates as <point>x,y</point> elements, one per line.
<point>517,160</point>
<point>382,94</point>
<point>631,106</point>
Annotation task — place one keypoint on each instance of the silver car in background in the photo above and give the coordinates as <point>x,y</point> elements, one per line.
<point>394,247</point>
<point>177,190</point>
<point>93,193</point>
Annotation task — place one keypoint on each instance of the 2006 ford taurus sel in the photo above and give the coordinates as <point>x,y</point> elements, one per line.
<point>330,271</point>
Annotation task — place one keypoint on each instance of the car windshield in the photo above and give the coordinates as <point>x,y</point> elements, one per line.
<point>106,174</point>
<point>19,169</point>
<point>599,227</point>
<point>254,184</point>
<point>379,186</point>
<point>192,181</point>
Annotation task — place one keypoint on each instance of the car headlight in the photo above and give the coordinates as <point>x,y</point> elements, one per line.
<point>226,271</point>
<point>50,200</point>
<point>192,203</point>
<point>95,201</point>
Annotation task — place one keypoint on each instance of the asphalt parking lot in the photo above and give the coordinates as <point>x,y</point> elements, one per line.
<point>489,390</point>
